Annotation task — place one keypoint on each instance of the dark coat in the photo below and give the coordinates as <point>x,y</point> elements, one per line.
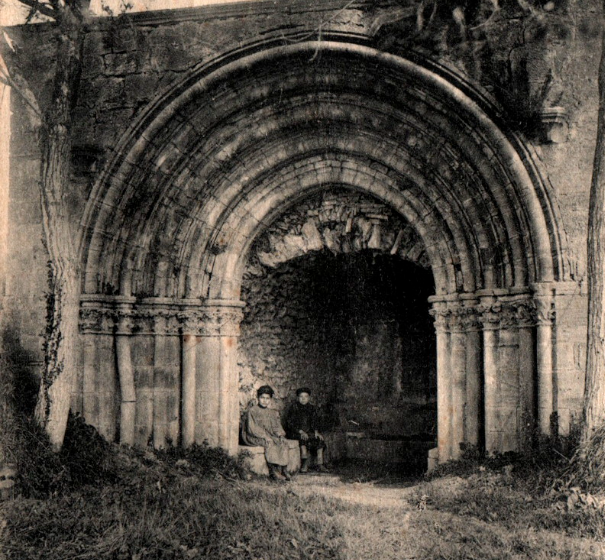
<point>304,417</point>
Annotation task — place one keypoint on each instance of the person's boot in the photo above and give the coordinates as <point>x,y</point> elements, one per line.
<point>285,473</point>
<point>322,468</point>
<point>275,474</point>
<point>304,466</point>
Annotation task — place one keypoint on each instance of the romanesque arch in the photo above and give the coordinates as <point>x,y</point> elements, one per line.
<point>217,159</point>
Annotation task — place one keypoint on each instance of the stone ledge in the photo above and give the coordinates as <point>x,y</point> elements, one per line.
<point>256,463</point>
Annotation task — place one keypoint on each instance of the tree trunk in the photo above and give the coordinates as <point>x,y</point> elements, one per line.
<point>594,393</point>
<point>61,339</point>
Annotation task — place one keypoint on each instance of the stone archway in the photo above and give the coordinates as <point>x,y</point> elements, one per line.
<point>211,165</point>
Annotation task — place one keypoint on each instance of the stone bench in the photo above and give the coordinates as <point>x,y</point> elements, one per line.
<point>256,458</point>
<point>8,476</point>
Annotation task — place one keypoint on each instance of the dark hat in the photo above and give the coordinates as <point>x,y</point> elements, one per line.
<point>303,390</point>
<point>265,390</point>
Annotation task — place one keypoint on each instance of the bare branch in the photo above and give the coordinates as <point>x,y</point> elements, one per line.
<point>11,75</point>
<point>39,7</point>
<point>390,16</point>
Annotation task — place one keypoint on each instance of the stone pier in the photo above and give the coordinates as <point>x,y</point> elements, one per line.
<point>496,380</point>
<point>173,365</point>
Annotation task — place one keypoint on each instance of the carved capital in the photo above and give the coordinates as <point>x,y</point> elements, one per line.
<point>126,320</point>
<point>490,315</point>
<point>525,313</point>
<point>440,314</point>
<point>456,316</point>
<point>106,315</point>
<point>493,312</point>
<point>508,316</point>
<point>99,320</point>
<point>160,321</point>
<point>222,320</point>
<point>470,319</point>
<point>545,310</point>
<point>191,321</point>
<point>213,319</point>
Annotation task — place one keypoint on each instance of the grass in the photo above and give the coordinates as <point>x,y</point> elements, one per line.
<point>196,504</point>
<point>159,513</point>
<point>493,499</point>
<point>189,518</point>
<point>432,535</point>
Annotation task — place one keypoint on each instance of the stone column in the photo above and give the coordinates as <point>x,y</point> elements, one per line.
<point>508,383</point>
<point>99,391</point>
<point>490,317</point>
<point>188,375</point>
<point>457,379</point>
<point>544,348</point>
<point>526,320</point>
<point>444,389</point>
<point>508,367</point>
<point>167,372</point>
<point>474,363</point>
<point>125,374</point>
<point>207,391</point>
<point>219,328</point>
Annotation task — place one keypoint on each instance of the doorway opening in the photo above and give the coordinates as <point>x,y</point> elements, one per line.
<point>355,328</point>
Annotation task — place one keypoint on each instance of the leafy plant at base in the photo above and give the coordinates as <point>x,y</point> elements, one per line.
<point>86,458</point>
<point>203,460</point>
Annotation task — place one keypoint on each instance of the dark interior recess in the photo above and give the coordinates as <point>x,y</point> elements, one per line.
<point>356,329</point>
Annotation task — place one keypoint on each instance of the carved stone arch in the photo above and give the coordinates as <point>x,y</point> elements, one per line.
<point>231,147</point>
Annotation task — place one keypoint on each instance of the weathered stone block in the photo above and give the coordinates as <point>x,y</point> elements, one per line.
<point>258,465</point>
<point>140,88</point>
<point>122,64</point>
<point>92,66</point>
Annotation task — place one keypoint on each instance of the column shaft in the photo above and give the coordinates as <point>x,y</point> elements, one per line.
<point>473,388</point>
<point>527,364</point>
<point>189,349</point>
<point>207,385</point>
<point>444,397</point>
<point>458,390</point>
<point>127,389</point>
<point>508,387</point>
<point>218,409</point>
<point>490,388</point>
<point>228,413</point>
<point>545,377</point>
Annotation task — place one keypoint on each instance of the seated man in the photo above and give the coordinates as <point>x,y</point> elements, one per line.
<point>302,424</point>
<point>262,426</point>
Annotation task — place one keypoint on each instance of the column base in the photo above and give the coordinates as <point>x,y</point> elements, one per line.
<point>433,459</point>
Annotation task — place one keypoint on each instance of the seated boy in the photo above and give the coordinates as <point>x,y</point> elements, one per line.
<point>262,426</point>
<point>302,424</point>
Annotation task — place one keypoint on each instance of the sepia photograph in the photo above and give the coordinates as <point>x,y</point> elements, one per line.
<point>302,279</point>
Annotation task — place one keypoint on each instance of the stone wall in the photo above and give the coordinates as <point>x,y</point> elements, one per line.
<point>135,63</point>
